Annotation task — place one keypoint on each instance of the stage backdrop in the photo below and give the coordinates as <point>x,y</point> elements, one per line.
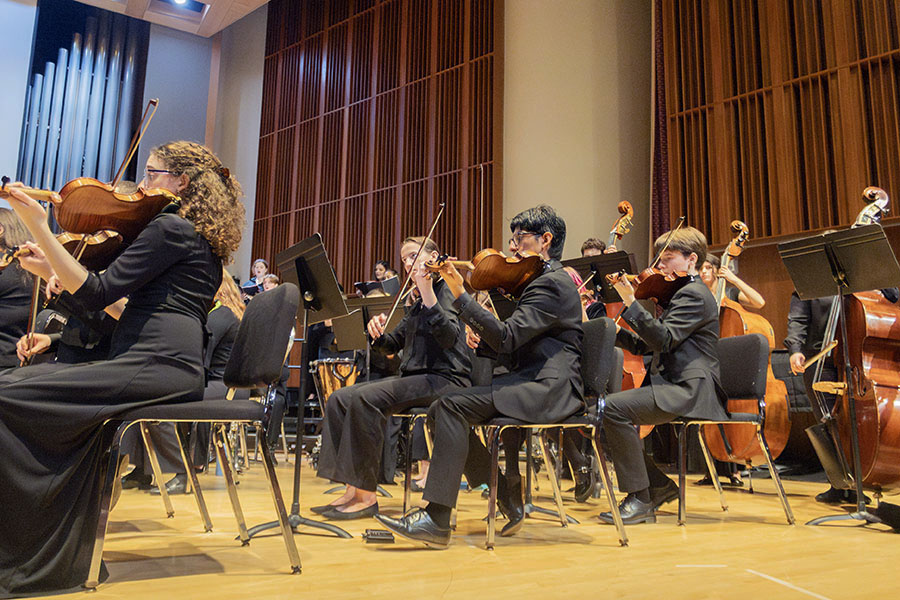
<point>778,113</point>
<point>373,113</point>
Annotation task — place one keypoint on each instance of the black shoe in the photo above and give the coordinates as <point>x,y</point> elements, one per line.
<point>176,485</point>
<point>632,511</point>
<point>335,515</point>
<point>138,480</point>
<point>707,480</point>
<point>415,487</point>
<point>511,505</point>
<point>584,484</point>
<point>321,510</point>
<point>836,496</point>
<point>418,526</point>
<point>663,494</point>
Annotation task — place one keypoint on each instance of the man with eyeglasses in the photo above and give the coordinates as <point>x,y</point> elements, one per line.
<point>541,343</point>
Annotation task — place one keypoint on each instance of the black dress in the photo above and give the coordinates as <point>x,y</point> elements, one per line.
<point>15,300</point>
<point>52,438</point>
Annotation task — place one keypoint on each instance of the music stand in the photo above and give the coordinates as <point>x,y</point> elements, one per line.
<point>855,260</point>
<point>600,266</point>
<point>306,264</point>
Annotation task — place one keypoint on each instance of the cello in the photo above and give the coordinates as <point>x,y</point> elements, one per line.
<point>737,443</point>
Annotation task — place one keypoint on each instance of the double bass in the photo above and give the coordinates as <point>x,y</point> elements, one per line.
<point>738,443</point>
<point>873,334</point>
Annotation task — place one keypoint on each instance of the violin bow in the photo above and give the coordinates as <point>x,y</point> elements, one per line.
<point>401,293</point>
<point>136,139</point>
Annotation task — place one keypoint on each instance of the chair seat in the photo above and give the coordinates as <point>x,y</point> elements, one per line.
<point>198,410</point>
<point>735,418</point>
<point>583,420</point>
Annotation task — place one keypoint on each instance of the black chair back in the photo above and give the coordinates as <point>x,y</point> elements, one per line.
<point>262,340</point>
<point>598,355</point>
<point>743,361</point>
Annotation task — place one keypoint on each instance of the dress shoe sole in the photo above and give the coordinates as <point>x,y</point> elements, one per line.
<point>363,513</point>
<point>651,518</point>
<point>511,528</point>
<point>428,544</point>
<point>321,510</point>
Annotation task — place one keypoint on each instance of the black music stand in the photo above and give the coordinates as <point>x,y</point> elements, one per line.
<point>306,264</point>
<point>599,266</point>
<point>855,260</point>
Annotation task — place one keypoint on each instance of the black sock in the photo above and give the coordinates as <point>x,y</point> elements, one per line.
<point>439,513</point>
<point>643,495</point>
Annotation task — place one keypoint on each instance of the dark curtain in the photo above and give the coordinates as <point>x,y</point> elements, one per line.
<point>659,189</point>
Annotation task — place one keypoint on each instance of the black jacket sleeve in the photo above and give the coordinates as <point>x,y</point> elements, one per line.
<point>683,316</point>
<point>161,244</point>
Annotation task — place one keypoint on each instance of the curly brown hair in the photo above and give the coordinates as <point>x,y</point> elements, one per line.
<point>211,200</point>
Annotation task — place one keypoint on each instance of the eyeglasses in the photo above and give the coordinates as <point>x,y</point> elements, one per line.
<point>148,172</point>
<point>516,239</point>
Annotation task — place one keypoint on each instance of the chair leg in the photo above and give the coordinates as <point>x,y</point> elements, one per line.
<point>224,457</point>
<point>554,484</point>
<point>108,477</point>
<point>493,436</point>
<point>407,482</point>
<point>195,484</point>
<point>713,475</point>
<point>429,441</point>
<point>284,446</point>
<point>682,466</point>
<point>764,446</point>
<point>286,532</point>
<point>154,464</point>
<point>607,485</point>
<point>245,455</point>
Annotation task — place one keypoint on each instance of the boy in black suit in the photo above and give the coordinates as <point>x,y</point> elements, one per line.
<point>682,379</point>
<point>542,339</point>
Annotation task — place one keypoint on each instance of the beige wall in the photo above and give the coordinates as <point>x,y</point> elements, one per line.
<point>577,111</point>
<point>238,107</point>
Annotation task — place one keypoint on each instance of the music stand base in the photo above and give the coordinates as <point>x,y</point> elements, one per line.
<point>296,521</point>
<point>864,516</point>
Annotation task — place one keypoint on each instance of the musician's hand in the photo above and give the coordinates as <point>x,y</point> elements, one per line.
<point>727,274</point>
<point>452,278</point>
<point>35,261</point>
<point>376,326</point>
<point>40,342</point>
<point>797,360</point>
<point>623,286</point>
<point>424,284</point>
<point>610,249</point>
<point>54,287</point>
<point>30,211</point>
<point>472,338</point>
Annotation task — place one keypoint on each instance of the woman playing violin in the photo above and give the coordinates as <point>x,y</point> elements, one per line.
<point>15,289</point>
<point>51,415</point>
<point>683,376</point>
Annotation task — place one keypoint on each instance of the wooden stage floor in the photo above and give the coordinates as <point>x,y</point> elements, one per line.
<point>747,552</point>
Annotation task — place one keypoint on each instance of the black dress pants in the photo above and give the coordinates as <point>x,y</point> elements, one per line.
<point>355,417</point>
<point>456,449</point>
<point>635,470</point>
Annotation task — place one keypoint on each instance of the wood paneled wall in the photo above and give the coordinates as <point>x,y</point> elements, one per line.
<point>779,113</point>
<point>374,112</point>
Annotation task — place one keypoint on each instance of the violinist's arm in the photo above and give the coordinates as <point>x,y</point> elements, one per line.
<point>686,312</point>
<point>747,296</point>
<point>71,274</point>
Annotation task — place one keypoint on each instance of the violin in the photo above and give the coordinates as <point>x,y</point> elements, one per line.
<point>87,206</point>
<point>653,284</point>
<point>491,269</point>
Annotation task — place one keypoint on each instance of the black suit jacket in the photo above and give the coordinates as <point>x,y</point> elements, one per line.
<point>542,344</point>
<point>684,372</point>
